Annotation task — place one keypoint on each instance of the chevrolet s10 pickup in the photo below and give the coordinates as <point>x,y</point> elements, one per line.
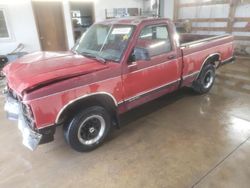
<point>116,65</point>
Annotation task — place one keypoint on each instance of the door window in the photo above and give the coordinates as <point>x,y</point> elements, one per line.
<point>155,39</point>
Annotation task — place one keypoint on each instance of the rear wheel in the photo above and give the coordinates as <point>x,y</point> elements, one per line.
<point>205,80</point>
<point>88,129</point>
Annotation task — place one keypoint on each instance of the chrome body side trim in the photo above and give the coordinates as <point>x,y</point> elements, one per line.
<point>190,75</point>
<point>151,90</point>
<point>83,97</point>
<point>196,52</point>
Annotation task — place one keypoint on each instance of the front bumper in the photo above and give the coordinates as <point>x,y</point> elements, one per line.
<point>31,139</point>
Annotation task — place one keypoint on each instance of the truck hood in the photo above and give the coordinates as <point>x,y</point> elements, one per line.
<point>43,68</point>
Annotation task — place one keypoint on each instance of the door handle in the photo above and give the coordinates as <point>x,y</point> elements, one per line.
<point>171,56</point>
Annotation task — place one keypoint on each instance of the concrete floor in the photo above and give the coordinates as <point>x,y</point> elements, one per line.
<point>179,140</point>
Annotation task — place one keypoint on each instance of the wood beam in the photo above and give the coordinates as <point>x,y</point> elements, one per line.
<point>244,2</point>
<point>205,19</point>
<point>242,19</point>
<point>209,29</point>
<point>242,38</point>
<point>212,2</point>
<point>241,29</point>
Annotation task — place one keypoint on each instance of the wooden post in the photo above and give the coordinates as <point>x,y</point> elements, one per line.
<point>176,10</point>
<point>231,16</point>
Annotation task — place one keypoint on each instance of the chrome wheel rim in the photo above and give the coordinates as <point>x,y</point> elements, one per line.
<point>91,130</point>
<point>208,79</point>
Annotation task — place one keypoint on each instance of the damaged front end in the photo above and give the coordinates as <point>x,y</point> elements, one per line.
<point>16,110</point>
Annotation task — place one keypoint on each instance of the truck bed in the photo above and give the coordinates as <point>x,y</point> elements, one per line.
<point>196,49</point>
<point>190,39</point>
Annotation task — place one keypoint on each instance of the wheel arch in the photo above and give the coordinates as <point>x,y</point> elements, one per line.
<point>103,99</point>
<point>214,59</point>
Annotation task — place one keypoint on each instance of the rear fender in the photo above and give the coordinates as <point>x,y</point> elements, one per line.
<point>214,59</point>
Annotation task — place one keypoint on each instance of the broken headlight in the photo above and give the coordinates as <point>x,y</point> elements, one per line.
<point>28,115</point>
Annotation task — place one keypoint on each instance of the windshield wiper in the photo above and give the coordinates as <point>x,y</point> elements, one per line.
<point>96,57</point>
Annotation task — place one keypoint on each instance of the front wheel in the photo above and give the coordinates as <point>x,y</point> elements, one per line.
<point>205,80</point>
<point>88,129</point>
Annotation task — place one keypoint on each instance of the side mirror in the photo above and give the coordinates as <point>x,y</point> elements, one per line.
<point>139,54</point>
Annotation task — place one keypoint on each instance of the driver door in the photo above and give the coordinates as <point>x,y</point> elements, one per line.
<point>153,68</point>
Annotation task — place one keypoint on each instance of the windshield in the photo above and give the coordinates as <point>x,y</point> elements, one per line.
<point>104,41</point>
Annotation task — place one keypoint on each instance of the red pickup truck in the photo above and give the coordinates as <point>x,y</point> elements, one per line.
<point>116,65</point>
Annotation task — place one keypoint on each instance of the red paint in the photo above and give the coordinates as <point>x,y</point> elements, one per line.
<point>43,67</point>
<point>49,81</point>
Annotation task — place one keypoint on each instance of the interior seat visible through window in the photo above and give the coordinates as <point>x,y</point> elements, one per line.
<point>155,39</point>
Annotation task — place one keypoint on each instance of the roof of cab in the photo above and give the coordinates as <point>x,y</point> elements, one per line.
<point>134,20</point>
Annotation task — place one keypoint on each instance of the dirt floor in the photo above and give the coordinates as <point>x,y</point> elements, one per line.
<point>180,140</point>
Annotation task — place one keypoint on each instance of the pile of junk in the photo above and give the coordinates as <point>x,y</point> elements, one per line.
<point>8,58</point>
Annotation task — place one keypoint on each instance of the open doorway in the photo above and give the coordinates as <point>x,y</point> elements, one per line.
<point>82,16</point>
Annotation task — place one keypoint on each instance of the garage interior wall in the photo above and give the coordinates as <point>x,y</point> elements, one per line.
<point>216,17</point>
<point>22,26</point>
<point>167,8</point>
<point>100,6</point>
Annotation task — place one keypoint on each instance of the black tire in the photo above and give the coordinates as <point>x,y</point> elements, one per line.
<point>92,122</point>
<point>205,80</point>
